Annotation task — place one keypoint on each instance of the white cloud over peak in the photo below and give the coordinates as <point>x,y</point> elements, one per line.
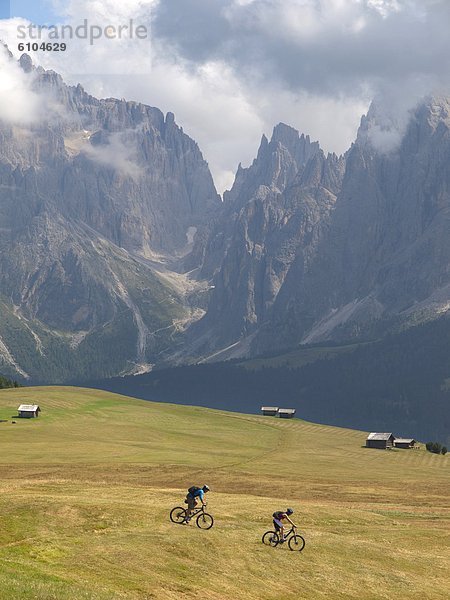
<point>119,153</point>
<point>232,69</point>
<point>18,103</point>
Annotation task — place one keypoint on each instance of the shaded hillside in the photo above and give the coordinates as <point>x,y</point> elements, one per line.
<point>398,384</point>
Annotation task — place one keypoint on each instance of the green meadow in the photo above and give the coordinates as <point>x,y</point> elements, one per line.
<point>86,491</point>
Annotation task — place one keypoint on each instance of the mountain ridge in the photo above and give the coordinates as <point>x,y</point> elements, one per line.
<point>116,245</point>
<point>87,206</point>
<point>381,250</point>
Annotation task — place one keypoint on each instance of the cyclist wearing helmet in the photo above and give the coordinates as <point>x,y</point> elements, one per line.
<point>194,493</point>
<point>278,517</point>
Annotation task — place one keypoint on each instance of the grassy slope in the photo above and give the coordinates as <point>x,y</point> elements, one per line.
<point>86,490</point>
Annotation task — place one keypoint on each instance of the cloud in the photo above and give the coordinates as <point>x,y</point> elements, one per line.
<point>391,110</point>
<point>231,69</point>
<point>335,54</point>
<point>118,152</point>
<point>324,47</point>
<point>210,104</point>
<point>19,104</point>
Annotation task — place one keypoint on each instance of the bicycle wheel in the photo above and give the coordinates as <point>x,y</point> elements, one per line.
<point>270,538</point>
<point>205,521</point>
<point>178,514</point>
<point>296,542</point>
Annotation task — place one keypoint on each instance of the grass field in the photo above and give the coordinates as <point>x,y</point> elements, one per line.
<point>86,490</point>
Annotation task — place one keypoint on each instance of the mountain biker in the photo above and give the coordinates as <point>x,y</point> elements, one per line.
<point>278,517</point>
<point>194,493</point>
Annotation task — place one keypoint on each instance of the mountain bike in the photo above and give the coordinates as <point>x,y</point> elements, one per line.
<point>204,520</point>
<point>294,540</point>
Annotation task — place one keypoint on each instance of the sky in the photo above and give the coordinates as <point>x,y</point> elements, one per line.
<point>37,11</point>
<point>232,69</point>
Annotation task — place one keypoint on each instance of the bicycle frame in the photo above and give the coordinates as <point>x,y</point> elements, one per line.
<point>196,511</point>
<point>203,519</point>
<point>294,540</point>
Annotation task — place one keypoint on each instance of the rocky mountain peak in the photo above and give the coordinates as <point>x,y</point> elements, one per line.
<point>170,119</point>
<point>26,63</point>
<point>286,135</point>
<point>433,116</point>
<point>299,146</point>
<point>327,247</point>
<point>274,218</point>
<point>104,203</point>
<point>277,164</point>
<point>262,150</point>
<point>385,128</point>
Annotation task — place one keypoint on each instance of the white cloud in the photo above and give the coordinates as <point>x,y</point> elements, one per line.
<point>211,105</point>
<point>332,121</point>
<point>385,7</point>
<point>298,21</point>
<point>117,153</point>
<point>231,69</point>
<point>75,10</point>
<point>18,103</point>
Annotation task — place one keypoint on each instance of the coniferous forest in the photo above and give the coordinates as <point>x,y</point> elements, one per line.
<point>7,383</point>
<point>400,383</point>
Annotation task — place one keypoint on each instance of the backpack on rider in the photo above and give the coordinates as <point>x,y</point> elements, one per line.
<point>190,493</point>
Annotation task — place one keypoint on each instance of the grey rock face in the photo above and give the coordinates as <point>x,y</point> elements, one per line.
<point>105,204</point>
<point>319,248</point>
<point>275,215</point>
<point>119,166</point>
<point>386,254</point>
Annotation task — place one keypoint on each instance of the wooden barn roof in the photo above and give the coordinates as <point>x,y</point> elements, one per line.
<point>28,408</point>
<point>379,436</point>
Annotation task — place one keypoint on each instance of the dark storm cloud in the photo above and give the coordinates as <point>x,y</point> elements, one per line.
<point>324,47</point>
<point>198,29</point>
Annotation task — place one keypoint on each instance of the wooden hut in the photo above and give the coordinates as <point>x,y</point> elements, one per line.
<point>404,443</point>
<point>28,411</point>
<point>269,411</point>
<point>286,413</point>
<point>380,440</point>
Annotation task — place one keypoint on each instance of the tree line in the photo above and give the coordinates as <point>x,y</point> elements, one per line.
<point>436,448</point>
<point>8,383</point>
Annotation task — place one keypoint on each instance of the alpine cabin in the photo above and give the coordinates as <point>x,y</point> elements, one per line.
<point>286,413</point>
<point>28,411</point>
<point>270,411</point>
<point>404,443</point>
<point>380,440</point>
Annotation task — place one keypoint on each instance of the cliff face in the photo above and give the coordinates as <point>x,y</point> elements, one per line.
<point>120,167</point>
<point>385,258</point>
<point>274,216</point>
<point>106,207</point>
<point>97,199</point>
